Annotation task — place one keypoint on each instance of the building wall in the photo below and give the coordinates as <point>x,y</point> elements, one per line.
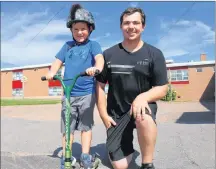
<point>6,84</point>
<point>201,85</point>
<point>34,86</point>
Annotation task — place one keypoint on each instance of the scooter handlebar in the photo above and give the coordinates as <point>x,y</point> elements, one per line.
<point>97,72</point>
<point>43,78</point>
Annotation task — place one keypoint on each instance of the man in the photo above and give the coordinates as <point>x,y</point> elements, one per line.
<point>137,77</point>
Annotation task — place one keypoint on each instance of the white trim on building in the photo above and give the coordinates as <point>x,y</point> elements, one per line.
<point>211,62</point>
<point>26,67</point>
<point>169,64</point>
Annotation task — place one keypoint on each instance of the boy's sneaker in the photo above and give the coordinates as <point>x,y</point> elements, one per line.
<point>86,161</point>
<point>147,166</point>
<point>73,162</point>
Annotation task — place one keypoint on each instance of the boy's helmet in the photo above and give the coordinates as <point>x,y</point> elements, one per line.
<point>78,14</point>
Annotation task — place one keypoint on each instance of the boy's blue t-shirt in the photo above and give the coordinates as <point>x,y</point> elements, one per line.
<point>77,58</point>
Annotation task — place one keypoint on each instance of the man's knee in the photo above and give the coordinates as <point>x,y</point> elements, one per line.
<point>119,165</point>
<point>123,163</point>
<point>146,123</point>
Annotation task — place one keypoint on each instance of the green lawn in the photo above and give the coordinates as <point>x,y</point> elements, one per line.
<point>12,102</point>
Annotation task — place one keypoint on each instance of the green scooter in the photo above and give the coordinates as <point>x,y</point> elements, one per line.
<point>67,90</point>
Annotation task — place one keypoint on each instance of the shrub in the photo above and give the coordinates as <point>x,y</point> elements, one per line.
<point>171,94</point>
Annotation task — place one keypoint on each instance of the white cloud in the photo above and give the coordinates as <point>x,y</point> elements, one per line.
<point>185,37</point>
<point>18,30</point>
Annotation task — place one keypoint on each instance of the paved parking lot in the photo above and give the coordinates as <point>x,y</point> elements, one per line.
<point>30,137</point>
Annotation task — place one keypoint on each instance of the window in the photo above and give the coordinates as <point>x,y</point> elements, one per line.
<point>178,75</point>
<point>17,75</point>
<point>213,69</point>
<point>199,69</point>
<point>55,91</point>
<point>17,92</point>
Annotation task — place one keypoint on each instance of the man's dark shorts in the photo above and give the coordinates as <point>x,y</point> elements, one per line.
<point>120,137</point>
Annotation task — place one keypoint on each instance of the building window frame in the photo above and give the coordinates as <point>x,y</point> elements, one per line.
<point>17,75</point>
<point>199,69</point>
<point>177,75</point>
<point>55,91</point>
<point>17,92</point>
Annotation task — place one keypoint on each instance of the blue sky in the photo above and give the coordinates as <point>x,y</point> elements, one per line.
<point>181,38</point>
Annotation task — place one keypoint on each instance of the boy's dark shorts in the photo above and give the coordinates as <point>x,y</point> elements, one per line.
<point>120,137</point>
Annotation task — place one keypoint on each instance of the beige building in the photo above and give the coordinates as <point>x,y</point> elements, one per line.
<point>192,81</point>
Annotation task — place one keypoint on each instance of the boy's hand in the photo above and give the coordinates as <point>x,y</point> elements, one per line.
<point>108,121</point>
<point>49,76</point>
<point>91,71</point>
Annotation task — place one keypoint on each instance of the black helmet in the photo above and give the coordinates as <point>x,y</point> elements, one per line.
<point>78,14</point>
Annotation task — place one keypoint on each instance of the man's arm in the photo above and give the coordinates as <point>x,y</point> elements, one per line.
<point>101,100</point>
<point>154,94</point>
<point>159,79</point>
<point>159,82</point>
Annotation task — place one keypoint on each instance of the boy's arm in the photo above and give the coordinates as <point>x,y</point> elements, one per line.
<point>54,69</point>
<point>99,62</point>
<point>56,66</point>
<point>60,59</point>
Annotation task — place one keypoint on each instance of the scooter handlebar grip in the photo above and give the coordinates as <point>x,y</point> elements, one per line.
<point>54,78</point>
<point>97,72</point>
<point>43,78</point>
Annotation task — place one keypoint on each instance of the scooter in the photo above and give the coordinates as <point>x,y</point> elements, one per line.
<point>68,151</point>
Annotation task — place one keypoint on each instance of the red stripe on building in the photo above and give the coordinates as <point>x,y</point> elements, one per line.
<point>54,83</point>
<point>16,84</point>
<point>180,82</point>
<point>17,70</point>
<point>177,68</point>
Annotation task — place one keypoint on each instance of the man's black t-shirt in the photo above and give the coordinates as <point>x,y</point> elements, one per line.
<point>130,74</point>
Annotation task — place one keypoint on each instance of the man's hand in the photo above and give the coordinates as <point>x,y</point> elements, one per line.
<point>91,71</point>
<point>138,108</point>
<point>108,121</point>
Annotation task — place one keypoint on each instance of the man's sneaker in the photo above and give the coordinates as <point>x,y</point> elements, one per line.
<point>86,161</point>
<point>147,166</point>
<point>73,162</point>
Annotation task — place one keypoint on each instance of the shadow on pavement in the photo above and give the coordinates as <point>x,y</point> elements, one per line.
<point>56,153</point>
<point>210,105</point>
<point>100,149</point>
<point>207,117</point>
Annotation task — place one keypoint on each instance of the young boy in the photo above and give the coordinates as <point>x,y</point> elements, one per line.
<point>79,55</point>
